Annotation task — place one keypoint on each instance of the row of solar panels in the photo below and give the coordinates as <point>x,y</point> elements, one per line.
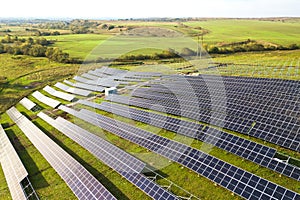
<point>29,105</point>
<point>282,86</point>
<point>247,149</point>
<point>89,82</point>
<point>239,181</point>
<point>14,171</point>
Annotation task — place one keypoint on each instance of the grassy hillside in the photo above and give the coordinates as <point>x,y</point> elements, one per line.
<point>220,32</point>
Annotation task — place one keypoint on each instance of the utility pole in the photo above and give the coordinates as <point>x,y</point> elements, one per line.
<point>198,45</point>
<point>201,45</point>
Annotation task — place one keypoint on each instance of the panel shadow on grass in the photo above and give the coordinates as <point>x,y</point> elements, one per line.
<point>104,181</point>
<point>30,165</point>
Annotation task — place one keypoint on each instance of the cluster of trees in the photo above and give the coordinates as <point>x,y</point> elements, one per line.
<point>37,48</point>
<point>166,54</point>
<point>53,25</point>
<point>45,33</point>
<point>16,40</point>
<point>79,26</point>
<point>6,30</point>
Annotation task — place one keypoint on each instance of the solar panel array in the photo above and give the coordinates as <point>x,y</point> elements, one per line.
<point>247,149</point>
<point>46,100</point>
<point>272,104</point>
<point>14,170</point>
<point>59,94</point>
<point>28,104</point>
<point>264,108</point>
<point>125,164</point>
<point>72,90</point>
<point>231,122</point>
<point>193,111</point>
<point>80,181</point>
<point>237,180</point>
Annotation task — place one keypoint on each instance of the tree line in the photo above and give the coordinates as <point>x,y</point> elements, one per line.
<point>238,47</point>
<point>38,47</point>
<point>248,47</point>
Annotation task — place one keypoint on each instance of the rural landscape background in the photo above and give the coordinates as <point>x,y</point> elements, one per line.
<point>35,52</point>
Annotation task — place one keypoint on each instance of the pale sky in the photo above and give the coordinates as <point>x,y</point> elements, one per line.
<point>150,8</point>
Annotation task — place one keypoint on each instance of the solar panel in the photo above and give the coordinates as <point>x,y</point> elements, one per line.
<point>125,164</point>
<point>46,100</point>
<point>96,73</point>
<point>80,181</point>
<point>86,86</point>
<point>28,104</point>
<point>143,74</point>
<point>81,79</point>
<point>109,70</point>
<point>59,94</point>
<point>14,170</point>
<point>104,82</point>
<point>89,76</point>
<point>72,90</point>
<point>228,176</point>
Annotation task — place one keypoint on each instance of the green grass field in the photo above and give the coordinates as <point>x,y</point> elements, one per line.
<point>226,31</point>
<point>78,45</point>
<point>21,75</point>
